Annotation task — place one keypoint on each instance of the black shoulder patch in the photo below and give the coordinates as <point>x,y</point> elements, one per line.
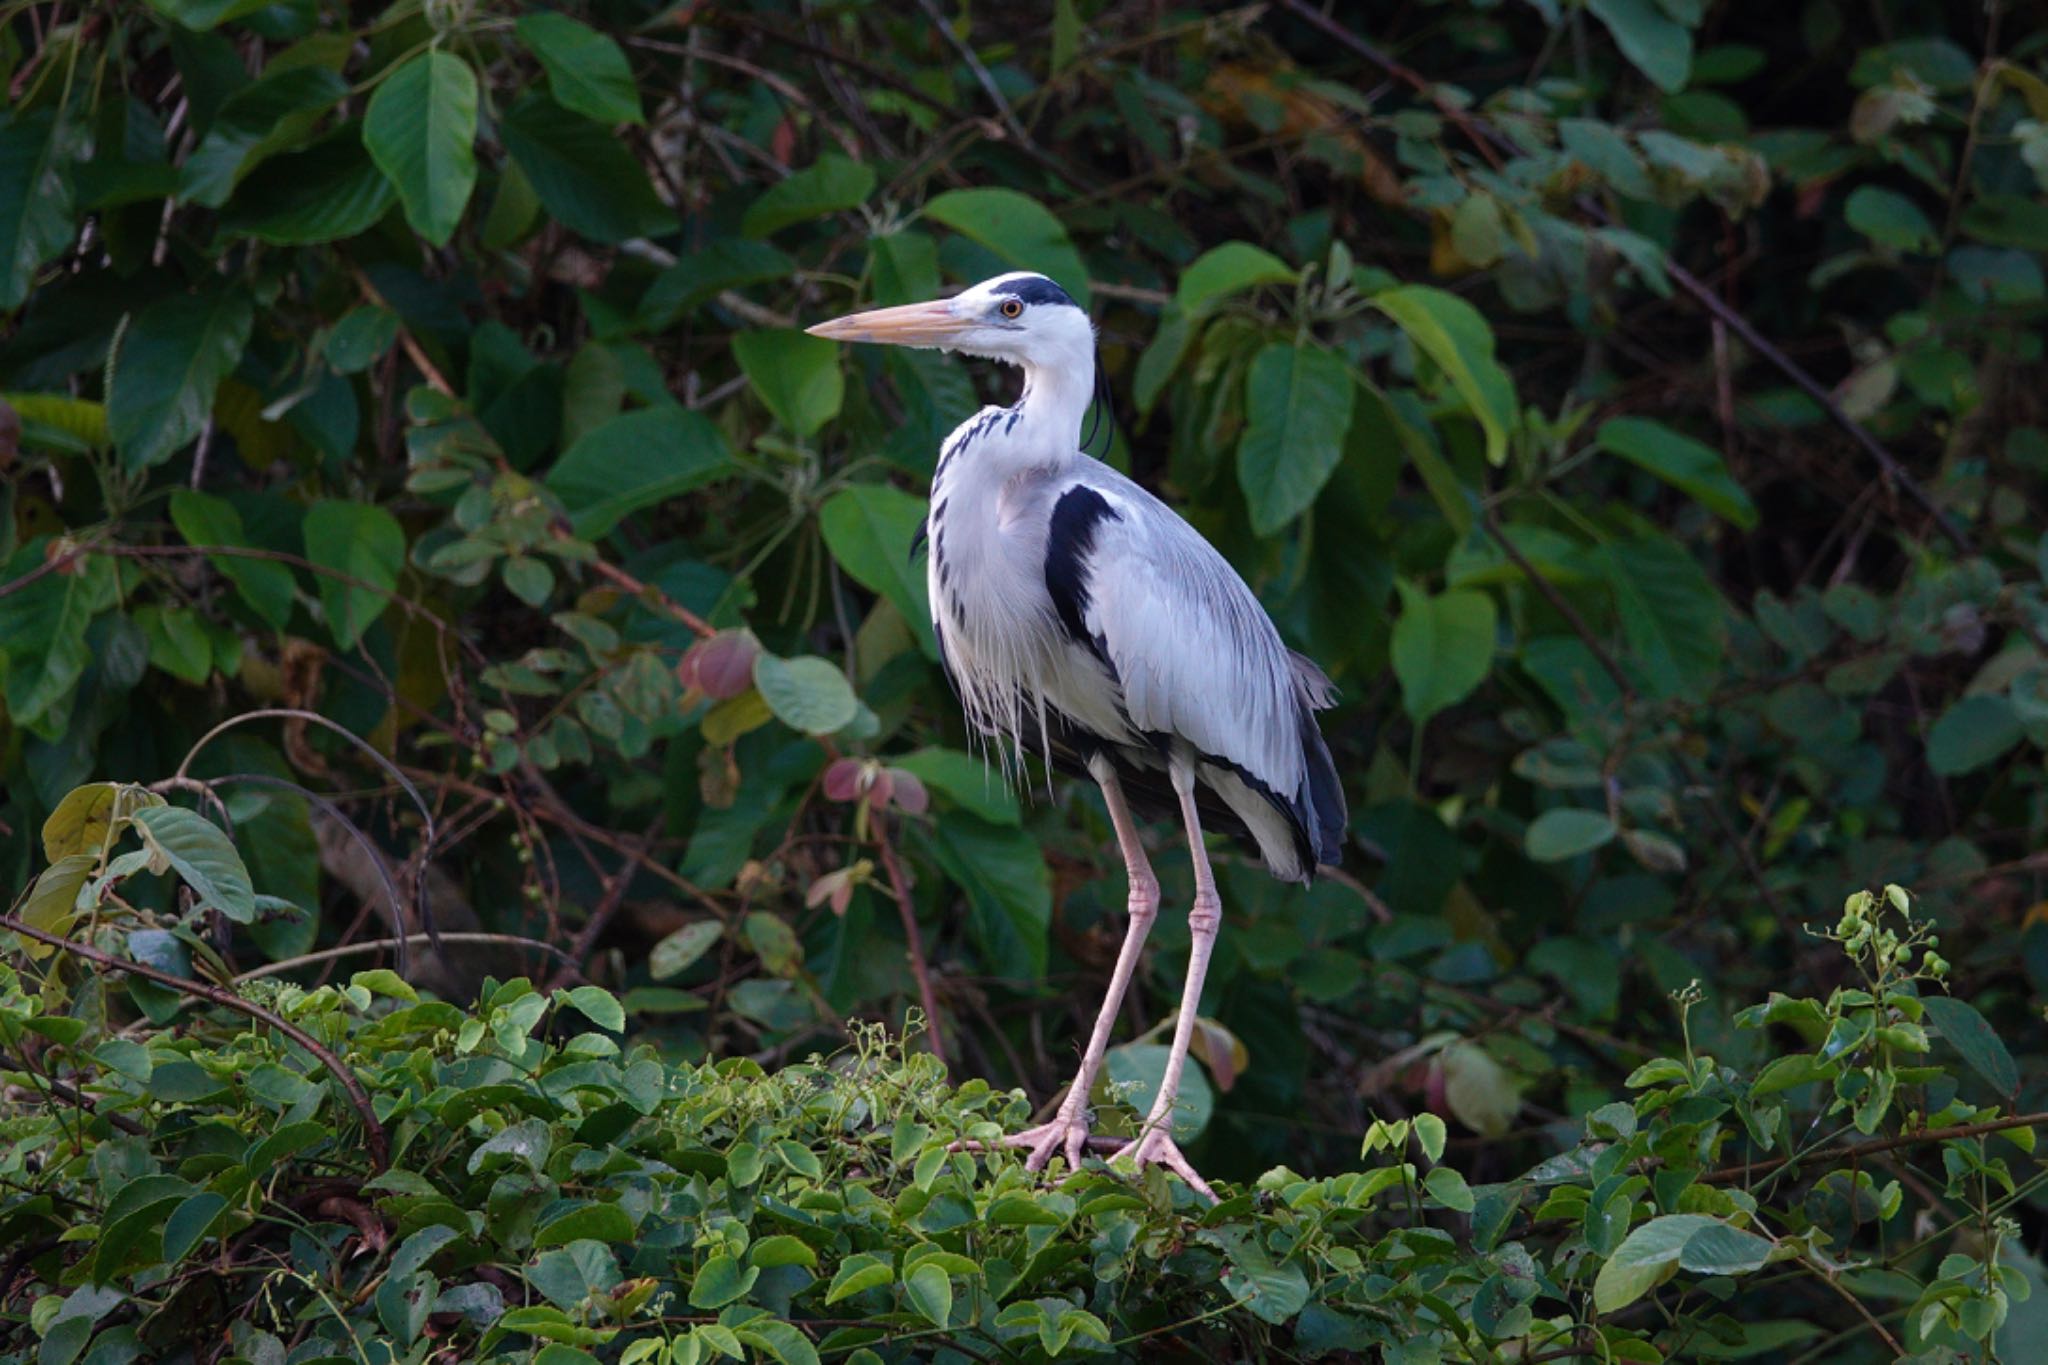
<point>1035,289</point>
<point>1069,541</point>
<point>924,528</point>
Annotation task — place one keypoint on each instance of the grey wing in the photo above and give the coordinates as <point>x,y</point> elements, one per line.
<point>1193,653</point>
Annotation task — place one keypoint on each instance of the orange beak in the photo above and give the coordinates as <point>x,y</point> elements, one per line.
<point>912,324</point>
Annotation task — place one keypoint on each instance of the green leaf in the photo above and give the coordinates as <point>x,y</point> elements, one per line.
<point>361,338</point>
<point>674,954</point>
<point>202,857</point>
<point>421,131</point>
<point>43,624</point>
<point>1559,834</point>
<point>831,184</point>
<point>1274,1290</point>
<point>1671,615</point>
<point>861,1271</point>
<point>1449,1189</point>
<point>586,178</point>
<point>1967,1032</point>
<point>1721,1249</point>
<point>795,374</point>
<point>633,461</point>
<point>781,1342</point>
<point>1017,228</point>
<point>205,14</point>
<point>1142,1066</point>
<point>169,366</point>
<point>52,902</point>
<point>783,1249</point>
<point>599,1006</point>
<point>808,694</point>
<point>35,201</point>
<point>262,118</point>
<point>586,70</point>
<point>1972,733</point>
<point>1008,889</point>
<point>1225,270</point>
<point>1442,647</point>
<point>1646,1258</point>
<point>189,1222</point>
<point>329,192</point>
<point>1453,334</point>
<point>1297,409</point>
<point>930,1291</point>
<point>1655,44</point>
<point>869,528</point>
<point>205,520</point>
<point>970,783</point>
<point>177,642</point>
<point>1682,462</point>
<point>1890,219</point>
<point>723,1280</point>
<point>365,546</point>
<point>600,1222</point>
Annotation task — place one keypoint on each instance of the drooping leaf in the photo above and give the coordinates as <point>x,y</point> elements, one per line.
<point>35,201</point>
<point>1972,733</point>
<point>1656,44</point>
<point>1017,228</point>
<point>1297,408</point>
<point>1682,462</point>
<point>363,549</point>
<point>169,367</point>
<point>1453,334</point>
<point>202,856</point>
<point>1671,614</point>
<point>329,192</point>
<point>1442,647</point>
<point>831,184</point>
<point>633,461</point>
<point>42,636</point>
<point>1224,270</point>
<point>1967,1031</point>
<point>585,177</point>
<point>262,118</point>
<point>420,129</point>
<point>206,520</point>
<point>869,528</point>
<point>971,783</point>
<point>1009,890</point>
<point>795,374</point>
<point>586,70</point>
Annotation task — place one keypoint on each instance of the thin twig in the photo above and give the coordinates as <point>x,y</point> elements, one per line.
<point>71,1095</point>
<point>1859,1151</point>
<point>919,968</point>
<point>378,945</point>
<point>573,962</point>
<point>373,1131</point>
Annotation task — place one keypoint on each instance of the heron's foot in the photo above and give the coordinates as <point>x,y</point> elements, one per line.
<point>1066,1135</point>
<point>1155,1147</point>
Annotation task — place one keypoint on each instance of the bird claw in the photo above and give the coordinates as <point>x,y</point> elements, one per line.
<point>1065,1135</point>
<point>1156,1147</point>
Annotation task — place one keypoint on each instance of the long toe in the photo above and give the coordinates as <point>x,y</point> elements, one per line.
<point>1157,1148</point>
<point>1062,1135</point>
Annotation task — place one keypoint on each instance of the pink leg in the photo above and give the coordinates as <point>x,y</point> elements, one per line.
<point>1155,1143</point>
<point>1068,1130</point>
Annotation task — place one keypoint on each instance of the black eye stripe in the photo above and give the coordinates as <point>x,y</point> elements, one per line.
<point>1033,289</point>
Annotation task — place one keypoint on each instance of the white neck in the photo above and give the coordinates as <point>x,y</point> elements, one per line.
<point>1056,397</point>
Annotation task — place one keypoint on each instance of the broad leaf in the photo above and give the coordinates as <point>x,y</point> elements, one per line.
<point>1564,833</point>
<point>421,131</point>
<point>831,184</point>
<point>1017,228</point>
<point>795,374</point>
<point>35,201</point>
<point>1682,462</point>
<point>808,694</point>
<point>1969,1034</point>
<point>1225,270</point>
<point>169,367</point>
<point>363,548</point>
<point>256,121</point>
<point>586,70</point>
<point>330,191</point>
<point>1671,615</point>
<point>1453,334</point>
<point>1297,408</point>
<point>584,176</point>
<point>633,461</point>
<point>1973,733</point>
<point>202,857</point>
<point>969,782</point>
<point>1008,888</point>
<point>264,584</point>
<point>42,636</point>
<point>1442,647</point>
<point>1659,46</point>
<point>869,528</point>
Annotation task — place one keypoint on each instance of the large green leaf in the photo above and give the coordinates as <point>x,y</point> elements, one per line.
<point>808,694</point>
<point>363,548</point>
<point>1225,270</point>
<point>971,783</point>
<point>1681,462</point>
<point>869,528</point>
<point>1442,647</point>
<point>265,585</point>
<point>256,121</point>
<point>831,184</point>
<point>1671,615</point>
<point>1008,888</point>
<point>1972,1036</point>
<point>168,368</point>
<point>1017,228</point>
<point>330,191</point>
<point>586,70</point>
<point>201,855</point>
<point>1297,409</point>
<point>1890,219</point>
<point>42,636</point>
<point>633,461</point>
<point>584,176</point>
<point>797,375</point>
<point>1972,733</point>
<point>1566,833</point>
<point>1452,333</point>
<point>1657,45</point>
<point>35,201</point>
<point>421,131</point>
<point>1140,1067</point>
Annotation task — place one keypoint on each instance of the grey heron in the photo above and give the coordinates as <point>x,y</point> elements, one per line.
<point>1081,619</point>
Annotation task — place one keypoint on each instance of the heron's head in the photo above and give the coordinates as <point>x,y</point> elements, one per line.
<point>1021,318</point>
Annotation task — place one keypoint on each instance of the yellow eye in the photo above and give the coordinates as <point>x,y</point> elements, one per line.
<point>1013,308</point>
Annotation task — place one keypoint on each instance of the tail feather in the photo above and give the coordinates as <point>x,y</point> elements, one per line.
<point>1324,816</point>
